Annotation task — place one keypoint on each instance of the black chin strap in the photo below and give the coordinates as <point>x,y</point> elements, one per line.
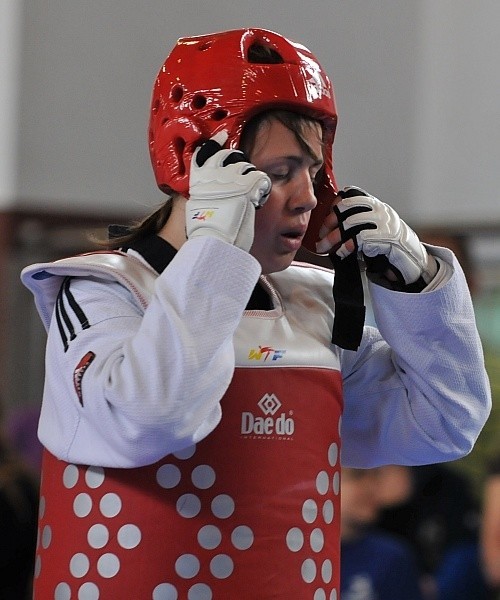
<point>348,293</point>
<point>348,296</point>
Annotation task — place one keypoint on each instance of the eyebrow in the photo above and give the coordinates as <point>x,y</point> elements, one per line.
<point>299,159</point>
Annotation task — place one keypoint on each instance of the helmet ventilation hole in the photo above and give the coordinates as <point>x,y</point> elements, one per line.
<point>205,46</point>
<point>219,114</point>
<point>179,145</point>
<point>176,93</point>
<point>263,54</point>
<point>199,101</point>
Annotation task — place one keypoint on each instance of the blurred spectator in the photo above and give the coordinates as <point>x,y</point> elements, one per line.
<point>487,446</point>
<point>437,508</point>
<point>490,530</point>
<point>21,427</point>
<point>18,524</point>
<point>374,565</point>
<point>434,509</point>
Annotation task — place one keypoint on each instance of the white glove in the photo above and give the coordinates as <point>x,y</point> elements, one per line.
<point>379,232</point>
<point>224,191</point>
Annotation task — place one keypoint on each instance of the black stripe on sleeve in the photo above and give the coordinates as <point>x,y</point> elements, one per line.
<point>66,308</point>
<point>81,316</point>
<point>62,309</point>
<point>60,326</point>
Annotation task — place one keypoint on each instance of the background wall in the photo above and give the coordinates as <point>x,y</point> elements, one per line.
<point>416,85</point>
<point>417,89</point>
<point>10,81</point>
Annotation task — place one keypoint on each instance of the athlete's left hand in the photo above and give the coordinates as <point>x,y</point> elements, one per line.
<point>360,222</point>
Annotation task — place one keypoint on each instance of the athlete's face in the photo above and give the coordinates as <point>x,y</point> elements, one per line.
<point>281,223</point>
<point>360,498</point>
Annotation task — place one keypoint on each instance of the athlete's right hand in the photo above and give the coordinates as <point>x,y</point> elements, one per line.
<point>224,191</point>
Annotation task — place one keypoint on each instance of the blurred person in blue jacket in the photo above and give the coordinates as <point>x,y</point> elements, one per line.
<point>374,564</point>
<point>433,508</point>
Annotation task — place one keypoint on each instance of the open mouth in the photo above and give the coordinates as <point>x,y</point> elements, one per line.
<point>293,235</point>
<point>292,239</point>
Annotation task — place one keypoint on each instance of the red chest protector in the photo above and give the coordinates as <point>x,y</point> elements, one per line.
<point>251,513</point>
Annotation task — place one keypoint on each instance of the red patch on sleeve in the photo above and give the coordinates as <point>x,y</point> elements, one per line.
<point>79,372</point>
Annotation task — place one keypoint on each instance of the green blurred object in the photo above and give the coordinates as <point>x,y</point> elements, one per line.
<point>487,308</point>
<point>487,446</point>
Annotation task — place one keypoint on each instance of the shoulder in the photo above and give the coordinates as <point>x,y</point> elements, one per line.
<point>108,264</point>
<point>44,280</point>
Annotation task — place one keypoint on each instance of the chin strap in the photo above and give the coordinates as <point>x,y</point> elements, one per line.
<point>348,296</point>
<point>348,292</point>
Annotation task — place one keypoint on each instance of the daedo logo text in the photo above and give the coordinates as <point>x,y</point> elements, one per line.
<point>269,426</point>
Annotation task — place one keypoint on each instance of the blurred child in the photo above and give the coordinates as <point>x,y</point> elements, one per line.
<point>374,565</point>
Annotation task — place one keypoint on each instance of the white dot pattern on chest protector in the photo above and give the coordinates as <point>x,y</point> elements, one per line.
<point>128,537</point>
<point>46,536</point>
<point>320,513</point>
<point>110,537</point>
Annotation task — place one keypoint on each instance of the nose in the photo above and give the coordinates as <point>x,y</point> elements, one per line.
<point>302,197</point>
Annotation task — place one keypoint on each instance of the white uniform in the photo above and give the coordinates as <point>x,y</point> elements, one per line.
<point>219,427</point>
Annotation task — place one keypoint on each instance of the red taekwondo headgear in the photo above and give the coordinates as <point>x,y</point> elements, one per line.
<point>213,82</point>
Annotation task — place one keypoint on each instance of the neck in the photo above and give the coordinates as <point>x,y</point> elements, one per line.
<point>351,532</point>
<point>174,230</point>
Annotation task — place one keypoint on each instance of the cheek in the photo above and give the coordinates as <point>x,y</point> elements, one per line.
<point>266,215</point>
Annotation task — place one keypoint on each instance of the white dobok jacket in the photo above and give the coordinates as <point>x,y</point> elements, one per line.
<point>166,389</point>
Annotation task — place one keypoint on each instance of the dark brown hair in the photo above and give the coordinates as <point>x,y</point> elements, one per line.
<point>298,123</point>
